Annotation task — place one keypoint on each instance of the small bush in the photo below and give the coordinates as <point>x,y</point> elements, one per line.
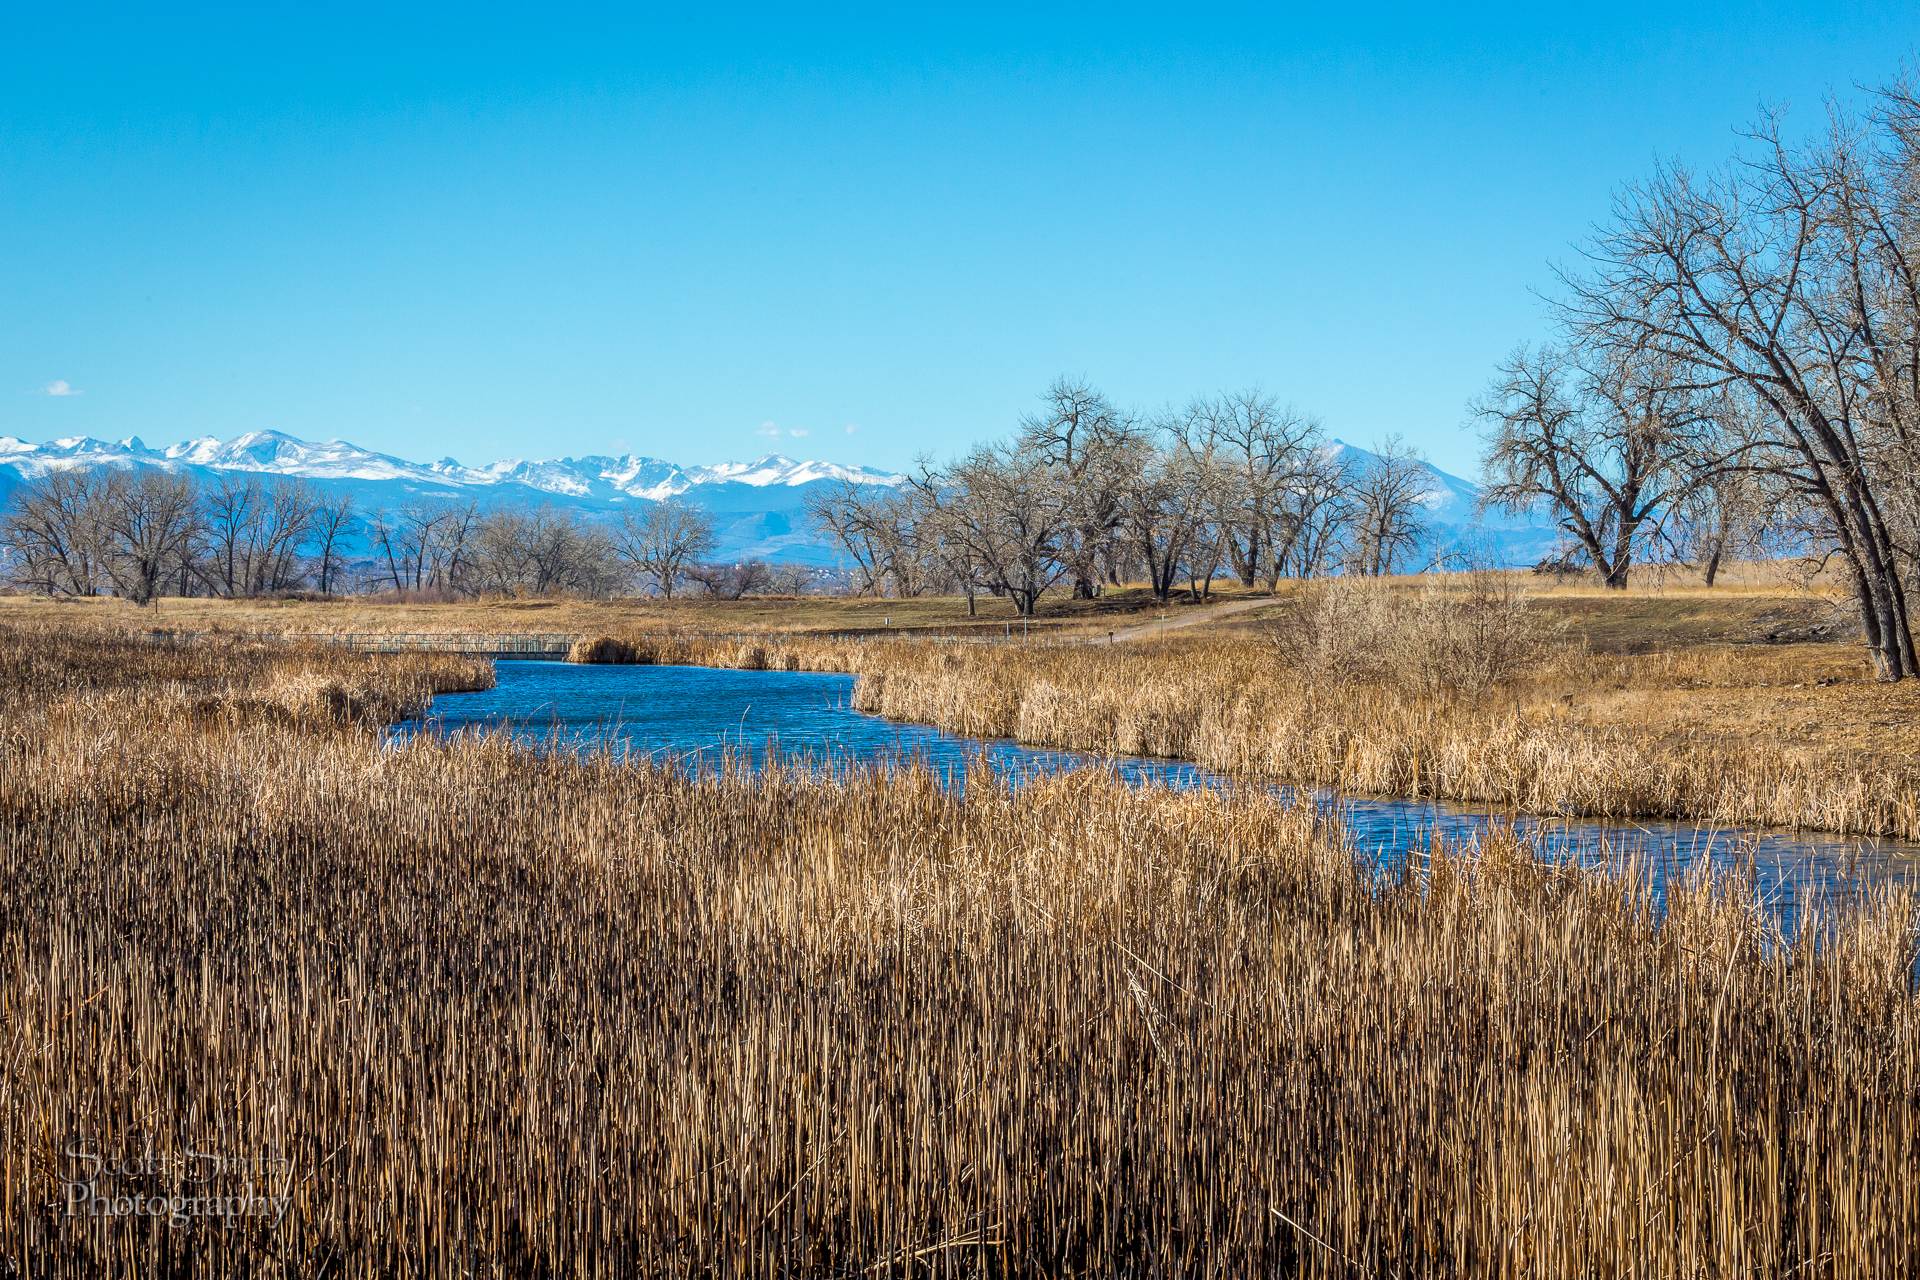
<point>1458,636</point>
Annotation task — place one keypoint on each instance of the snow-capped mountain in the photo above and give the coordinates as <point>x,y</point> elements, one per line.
<point>277,453</point>
<point>758,507</point>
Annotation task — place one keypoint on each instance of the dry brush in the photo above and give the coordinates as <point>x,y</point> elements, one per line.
<point>474,1011</point>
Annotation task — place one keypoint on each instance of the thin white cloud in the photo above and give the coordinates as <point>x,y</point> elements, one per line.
<point>61,387</point>
<point>771,430</point>
<point>852,428</point>
<point>797,432</point>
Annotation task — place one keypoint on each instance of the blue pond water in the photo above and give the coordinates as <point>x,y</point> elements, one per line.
<point>694,715</point>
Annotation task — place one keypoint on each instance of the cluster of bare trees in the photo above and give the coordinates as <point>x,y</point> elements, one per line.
<point>1087,495</point>
<point>147,532</point>
<point>1743,348</point>
<point>455,548</point>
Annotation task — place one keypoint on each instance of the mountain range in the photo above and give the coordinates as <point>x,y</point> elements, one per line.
<point>758,507</point>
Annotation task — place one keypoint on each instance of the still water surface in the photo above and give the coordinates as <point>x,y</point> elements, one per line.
<point>694,715</point>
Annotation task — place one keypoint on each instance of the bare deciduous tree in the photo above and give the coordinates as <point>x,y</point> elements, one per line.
<point>732,581</point>
<point>1085,443</point>
<point>285,523</point>
<point>333,524</point>
<point>878,528</point>
<point>663,540</point>
<point>1608,445</point>
<point>1791,279</point>
<point>51,529</point>
<point>1388,497</point>
<point>147,525</point>
<point>1165,505</point>
<point>1009,512</point>
<point>231,506</point>
<point>1314,513</point>
<point>1263,450</point>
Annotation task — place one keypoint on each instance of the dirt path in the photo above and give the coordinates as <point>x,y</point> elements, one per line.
<point>1188,618</point>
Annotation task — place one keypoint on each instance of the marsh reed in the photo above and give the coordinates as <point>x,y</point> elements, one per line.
<point>766,651</point>
<point>1237,704</point>
<point>1464,691</point>
<point>470,1011</point>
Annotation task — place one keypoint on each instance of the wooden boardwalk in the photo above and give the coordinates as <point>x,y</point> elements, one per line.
<point>473,644</point>
<point>540,644</point>
<point>555,645</point>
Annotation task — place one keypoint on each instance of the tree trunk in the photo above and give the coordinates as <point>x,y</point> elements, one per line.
<point>1245,560</point>
<point>1890,638</point>
<point>1890,595</point>
<point>1712,569</point>
<point>1877,589</point>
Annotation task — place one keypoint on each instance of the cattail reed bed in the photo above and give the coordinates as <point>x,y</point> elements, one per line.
<point>1716,736</point>
<point>464,1010</point>
<point>1460,693</point>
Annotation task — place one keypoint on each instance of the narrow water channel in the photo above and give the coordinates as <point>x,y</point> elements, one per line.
<point>694,715</point>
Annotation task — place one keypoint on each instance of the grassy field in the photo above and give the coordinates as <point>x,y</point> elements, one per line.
<point>772,614</point>
<point>1747,603</point>
<point>449,1009</point>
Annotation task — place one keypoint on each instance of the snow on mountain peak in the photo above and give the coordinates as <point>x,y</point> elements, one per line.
<point>596,477</point>
<point>778,469</point>
<point>202,449</point>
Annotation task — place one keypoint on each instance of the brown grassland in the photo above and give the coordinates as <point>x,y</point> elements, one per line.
<point>471,1011</point>
<point>1746,704</point>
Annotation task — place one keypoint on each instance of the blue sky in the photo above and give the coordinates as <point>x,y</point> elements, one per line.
<point>481,231</point>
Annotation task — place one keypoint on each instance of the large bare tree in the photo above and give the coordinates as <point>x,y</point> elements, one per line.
<point>1608,445</point>
<point>1388,495</point>
<point>285,524</point>
<point>1165,504</point>
<point>1085,443</point>
<point>1010,513</point>
<point>1792,278</point>
<point>147,523</point>
<point>1263,450</point>
<point>878,529</point>
<point>333,525</point>
<point>664,539</point>
<point>940,536</point>
<point>230,521</point>
<point>51,530</point>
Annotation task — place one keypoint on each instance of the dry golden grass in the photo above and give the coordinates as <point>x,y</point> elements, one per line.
<point>755,614</point>
<point>1596,735</point>
<point>1670,700</point>
<point>479,1013</point>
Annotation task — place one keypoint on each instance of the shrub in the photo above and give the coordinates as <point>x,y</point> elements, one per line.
<point>1460,635</point>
